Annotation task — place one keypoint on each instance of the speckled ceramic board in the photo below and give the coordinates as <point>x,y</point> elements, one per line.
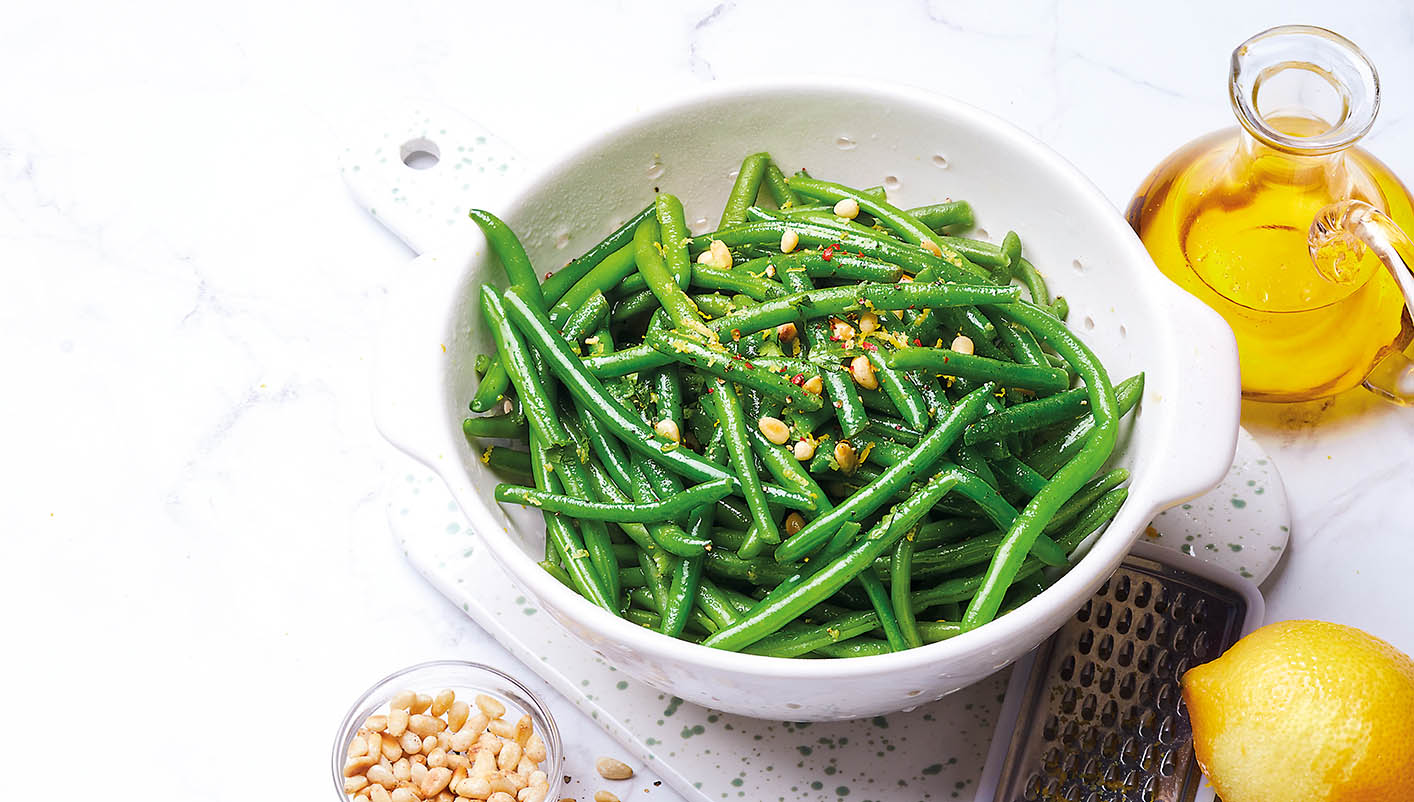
<point>935,752</point>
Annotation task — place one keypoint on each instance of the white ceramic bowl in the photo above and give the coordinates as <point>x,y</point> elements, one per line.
<point>923,148</point>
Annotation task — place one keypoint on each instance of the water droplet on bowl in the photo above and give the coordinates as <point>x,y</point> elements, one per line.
<point>846,143</point>
<point>699,226</point>
<point>562,240</point>
<point>891,183</point>
<point>1123,332</point>
<point>1089,323</point>
<point>1078,265</point>
<point>940,161</point>
<point>656,169</point>
<point>981,233</point>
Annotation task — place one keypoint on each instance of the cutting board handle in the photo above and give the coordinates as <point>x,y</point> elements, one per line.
<point>418,167</point>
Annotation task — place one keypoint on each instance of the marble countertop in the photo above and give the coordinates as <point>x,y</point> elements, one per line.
<point>193,482</point>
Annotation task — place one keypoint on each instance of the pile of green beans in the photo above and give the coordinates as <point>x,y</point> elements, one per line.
<point>832,427</point>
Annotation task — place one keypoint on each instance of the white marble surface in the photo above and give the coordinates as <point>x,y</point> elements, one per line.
<point>192,481</point>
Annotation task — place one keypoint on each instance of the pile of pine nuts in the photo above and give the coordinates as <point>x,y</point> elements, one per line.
<point>440,748</point>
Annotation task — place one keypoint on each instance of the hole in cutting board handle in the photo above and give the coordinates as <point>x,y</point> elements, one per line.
<point>420,153</point>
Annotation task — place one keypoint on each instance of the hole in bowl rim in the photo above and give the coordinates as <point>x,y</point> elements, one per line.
<point>554,750</point>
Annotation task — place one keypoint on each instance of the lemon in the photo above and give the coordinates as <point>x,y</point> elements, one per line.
<point>1305,711</point>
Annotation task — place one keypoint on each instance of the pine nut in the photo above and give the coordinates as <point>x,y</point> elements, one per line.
<point>538,777</point>
<point>360,764</point>
<point>402,769</point>
<point>358,747</point>
<point>775,430</point>
<point>362,796</point>
<point>423,702</point>
<point>428,744</point>
<point>847,208</point>
<point>391,748</point>
<point>721,256</point>
<point>505,783</point>
<point>457,715</point>
<point>535,748</point>
<point>437,758</point>
<point>446,796</point>
<point>444,740</point>
<point>382,776</point>
<point>611,769</point>
<point>524,727</point>
<point>502,729</point>
<point>404,795</point>
<point>786,332</point>
<point>525,767</point>
<point>932,247</point>
<point>814,385</point>
<point>462,741</point>
<point>376,723</point>
<point>410,742</point>
<point>373,744</point>
<point>534,793</point>
<point>845,456</point>
<point>501,796</point>
<point>668,428</point>
<point>604,796</point>
<point>483,764</point>
<point>509,757</point>
<point>403,700</point>
<point>355,783</point>
<point>789,240</point>
<point>794,523</point>
<point>458,761</point>
<point>474,787</point>
<point>963,344</point>
<point>397,722</point>
<point>868,322</point>
<point>804,449</point>
<point>435,781</point>
<point>491,707</point>
<point>419,759</point>
<point>426,725</point>
<point>442,702</point>
<point>378,793</point>
<point>863,373</point>
<point>476,724</point>
<point>841,330</point>
<point>419,773</point>
<point>490,743</point>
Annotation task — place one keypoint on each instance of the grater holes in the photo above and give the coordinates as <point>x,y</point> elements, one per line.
<point>1131,719</point>
<point>1088,707</point>
<point>1069,734</point>
<point>1126,687</point>
<point>1053,790</point>
<point>1031,792</point>
<point>1102,615</point>
<point>1181,667</point>
<point>1107,646</point>
<point>1067,702</point>
<point>1068,764</point>
<point>1109,715</point>
<point>1107,680</point>
<point>1161,602</point>
<point>1163,633</point>
<point>1085,642</point>
<point>1090,741</point>
<point>1149,691</point>
<point>1093,797</point>
<point>1181,640</point>
<point>1150,759</point>
<point>1087,674</point>
<point>1179,606</point>
<point>1083,614</point>
<point>1109,745</point>
<point>1124,622</point>
<point>1128,753</point>
<point>1145,627</point>
<point>1200,612</point>
<point>1148,723</point>
<point>1163,666</point>
<point>1131,781</point>
<point>1051,761</point>
<point>1166,730</point>
<point>1164,699</point>
<point>1147,658</point>
<point>1104,589</point>
<point>1091,773</point>
<point>1145,594</point>
<point>1150,791</point>
<point>1121,588</point>
<point>1067,668</point>
<point>1126,654</point>
<point>1200,645</point>
<point>1168,765</point>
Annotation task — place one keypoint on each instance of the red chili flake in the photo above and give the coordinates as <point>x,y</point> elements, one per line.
<point>711,390</point>
<point>798,378</point>
<point>748,366</point>
<point>869,346</point>
<point>830,251</point>
<point>917,341</point>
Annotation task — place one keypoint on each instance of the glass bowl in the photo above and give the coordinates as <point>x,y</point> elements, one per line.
<point>467,679</point>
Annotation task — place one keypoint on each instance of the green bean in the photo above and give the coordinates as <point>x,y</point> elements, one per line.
<point>680,308</point>
<point>1035,283</point>
<point>929,450</point>
<point>1021,343</point>
<point>1088,494</point>
<point>558,283</point>
<point>669,510</point>
<point>797,641</point>
<point>631,306</point>
<point>944,215</point>
<point>687,574</point>
<point>735,279</point>
<point>1005,565</point>
<point>530,389</point>
<point>977,252</point>
<point>587,318</point>
<point>558,572</point>
<point>883,608</point>
<point>481,364</point>
<point>505,459</point>
<point>562,539</point>
<point>604,278</point>
<point>575,479</point>
<point>780,190</point>
<point>618,420</point>
<point>980,368</point>
<point>501,426</point>
<point>714,305</point>
<point>1019,475</point>
<point>717,361</point>
<point>911,406</point>
<point>906,226</point>
<point>1047,458</point>
<point>899,590</point>
<point>667,387</point>
<point>674,237</point>
<point>744,190</point>
<point>727,406</point>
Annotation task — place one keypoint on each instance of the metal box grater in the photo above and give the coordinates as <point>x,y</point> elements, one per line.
<point>1095,713</point>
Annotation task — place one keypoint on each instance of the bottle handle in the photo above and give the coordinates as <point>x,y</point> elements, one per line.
<point>1344,230</point>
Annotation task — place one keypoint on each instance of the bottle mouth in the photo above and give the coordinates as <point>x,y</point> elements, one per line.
<point>1303,89</point>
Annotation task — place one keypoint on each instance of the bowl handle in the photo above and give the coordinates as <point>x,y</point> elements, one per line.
<point>418,169</point>
<point>1200,436</point>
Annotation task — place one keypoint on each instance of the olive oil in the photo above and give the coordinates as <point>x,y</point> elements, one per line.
<point>1227,218</point>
